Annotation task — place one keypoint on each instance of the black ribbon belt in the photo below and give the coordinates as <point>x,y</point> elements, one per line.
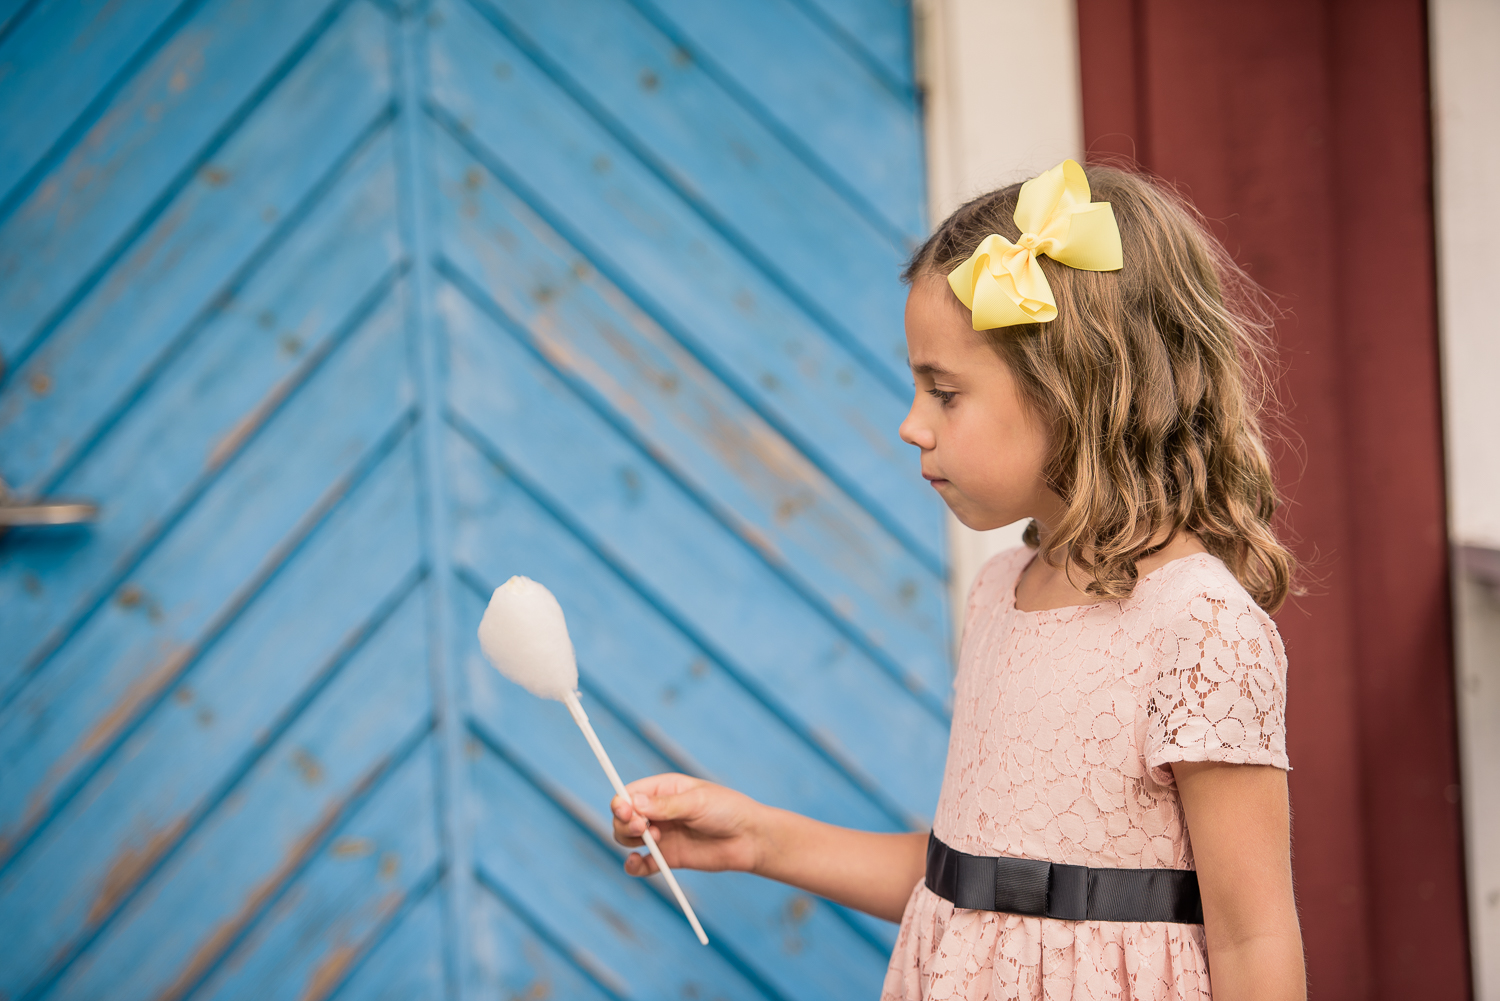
<point>1069,892</point>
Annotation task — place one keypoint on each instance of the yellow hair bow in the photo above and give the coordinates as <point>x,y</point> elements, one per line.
<point>1003,283</point>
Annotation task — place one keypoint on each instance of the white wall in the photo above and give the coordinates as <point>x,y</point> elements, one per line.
<point>1003,104</point>
<point>1466,118</point>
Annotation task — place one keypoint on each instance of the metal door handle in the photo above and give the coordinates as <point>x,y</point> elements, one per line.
<point>15,512</point>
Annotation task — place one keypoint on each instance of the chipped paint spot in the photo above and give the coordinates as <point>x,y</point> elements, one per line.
<point>347,848</point>
<point>631,481</point>
<point>759,541</point>
<point>290,344</point>
<point>40,383</point>
<point>616,922</point>
<point>330,972</point>
<point>183,695</point>
<point>31,583</point>
<point>390,864</point>
<point>247,425</point>
<point>473,178</point>
<point>799,908</point>
<point>307,766</point>
<point>681,56</point>
<point>789,507</point>
<point>141,691</point>
<point>214,177</point>
<point>130,864</point>
<point>602,164</point>
<point>649,81</point>
<point>744,154</point>
<point>228,930</point>
<point>129,596</point>
<point>538,990</point>
<point>266,320</point>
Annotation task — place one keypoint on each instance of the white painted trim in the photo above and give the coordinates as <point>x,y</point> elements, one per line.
<point>1465,37</point>
<point>1003,102</point>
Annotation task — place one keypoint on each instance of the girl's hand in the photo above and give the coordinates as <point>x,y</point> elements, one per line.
<point>699,825</point>
<point>696,824</point>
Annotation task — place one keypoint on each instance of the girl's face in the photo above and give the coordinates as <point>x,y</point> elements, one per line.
<point>982,448</point>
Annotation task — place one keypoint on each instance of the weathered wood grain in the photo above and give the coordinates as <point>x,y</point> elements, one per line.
<point>517,962</point>
<point>675,549</point>
<point>576,888</point>
<point>407,965</point>
<point>832,107</point>
<point>632,655</point>
<point>711,152</point>
<point>183,262</point>
<point>242,529</point>
<point>805,950</point>
<point>203,407</point>
<point>155,129</point>
<point>174,768</point>
<point>57,63</point>
<point>723,159</point>
<point>316,934</point>
<point>878,29</point>
<point>735,318</point>
<point>292,806</point>
<point>653,247</point>
<point>630,369</point>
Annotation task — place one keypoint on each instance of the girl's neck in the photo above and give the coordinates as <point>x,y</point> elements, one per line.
<point>1042,586</point>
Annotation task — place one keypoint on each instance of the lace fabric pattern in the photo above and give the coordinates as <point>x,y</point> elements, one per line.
<point>1065,726</point>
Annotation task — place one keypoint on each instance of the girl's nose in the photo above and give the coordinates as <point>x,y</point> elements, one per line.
<point>914,432</point>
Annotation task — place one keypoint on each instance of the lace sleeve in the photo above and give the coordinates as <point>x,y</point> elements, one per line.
<point>1220,694</point>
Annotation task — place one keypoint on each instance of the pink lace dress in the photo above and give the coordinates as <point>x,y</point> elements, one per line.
<point>1065,725</point>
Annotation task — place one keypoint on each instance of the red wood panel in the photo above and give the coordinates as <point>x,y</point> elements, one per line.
<point>1301,129</point>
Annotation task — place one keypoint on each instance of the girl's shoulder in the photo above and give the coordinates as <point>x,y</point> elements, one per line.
<point>1197,575</point>
<point>1199,594</point>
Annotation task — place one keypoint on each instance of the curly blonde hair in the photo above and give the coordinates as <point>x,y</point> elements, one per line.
<point>1153,380</point>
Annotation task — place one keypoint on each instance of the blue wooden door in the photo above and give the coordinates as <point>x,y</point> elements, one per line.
<point>345,312</point>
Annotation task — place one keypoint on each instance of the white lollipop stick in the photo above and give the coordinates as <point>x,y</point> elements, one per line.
<point>582,719</point>
<point>525,636</point>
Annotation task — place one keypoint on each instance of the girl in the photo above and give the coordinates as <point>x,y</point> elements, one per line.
<point>1113,820</point>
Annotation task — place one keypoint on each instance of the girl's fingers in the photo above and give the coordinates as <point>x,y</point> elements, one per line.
<point>640,865</point>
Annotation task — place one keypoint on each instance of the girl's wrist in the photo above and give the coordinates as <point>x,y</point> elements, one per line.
<point>768,832</point>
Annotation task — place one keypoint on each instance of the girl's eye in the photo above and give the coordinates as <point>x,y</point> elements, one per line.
<point>943,396</point>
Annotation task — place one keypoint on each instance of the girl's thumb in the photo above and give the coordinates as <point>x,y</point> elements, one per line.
<point>667,807</point>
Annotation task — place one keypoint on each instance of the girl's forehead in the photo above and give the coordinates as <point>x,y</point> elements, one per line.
<point>939,335</point>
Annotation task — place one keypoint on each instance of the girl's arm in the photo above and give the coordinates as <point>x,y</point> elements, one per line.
<point>699,825</point>
<point>1239,821</point>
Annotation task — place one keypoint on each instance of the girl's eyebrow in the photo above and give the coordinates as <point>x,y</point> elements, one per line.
<point>927,369</point>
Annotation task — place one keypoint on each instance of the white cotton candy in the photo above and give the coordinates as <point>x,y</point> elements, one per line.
<point>524,635</point>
